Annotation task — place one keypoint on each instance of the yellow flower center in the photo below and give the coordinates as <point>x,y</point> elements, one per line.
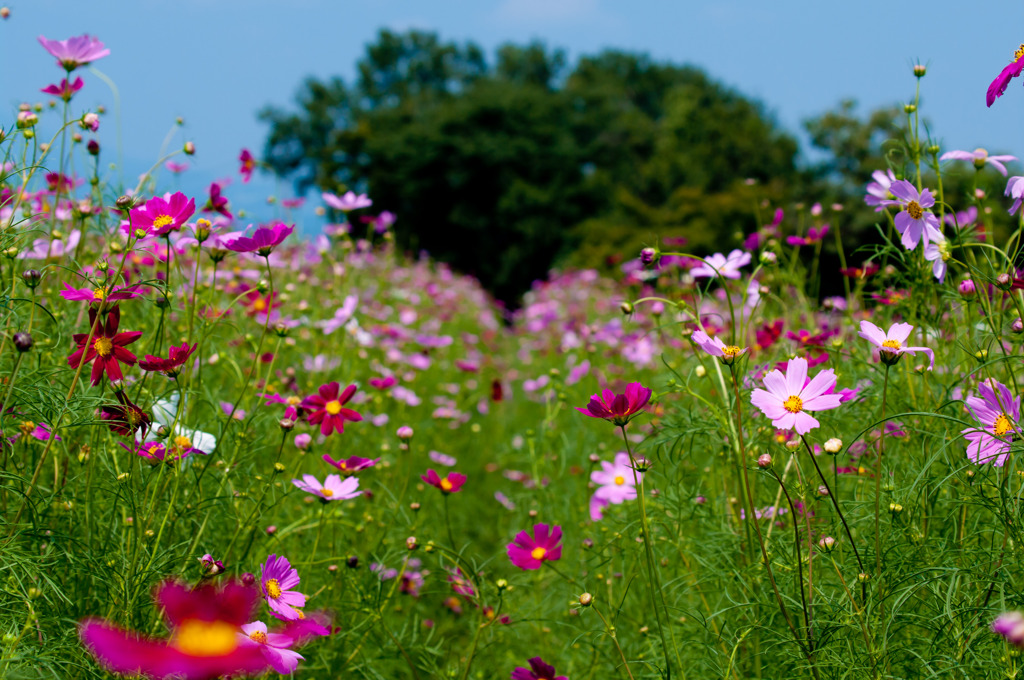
<point>538,553</point>
<point>326,492</point>
<point>103,346</point>
<point>26,427</point>
<point>620,480</point>
<point>259,305</point>
<point>446,485</point>
<point>99,294</point>
<point>182,442</point>
<point>293,400</point>
<point>1002,425</point>
<point>731,351</point>
<point>333,407</point>
<point>273,588</point>
<point>205,638</point>
<point>162,221</point>
<point>258,636</point>
<point>794,404</point>
<point>1019,52</point>
<point>891,344</point>
<point>915,210</point>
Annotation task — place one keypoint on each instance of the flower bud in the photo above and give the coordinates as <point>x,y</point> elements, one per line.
<point>966,289</point>
<point>827,543</point>
<point>1004,281</point>
<point>31,277</point>
<point>648,256</point>
<point>281,330</point>
<point>352,562</point>
<point>411,543</point>
<point>1017,326</point>
<point>764,461</point>
<point>210,566</point>
<point>834,445</point>
<point>93,147</point>
<point>862,577</point>
<point>793,444</point>
<point>501,584</point>
<point>286,424</point>
<point>22,341</point>
<point>586,599</point>
<point>920,70</point>
<point>4,12</point>
<point>909,108</point>
<point>700,371</point>
<point>302,441</point>
<point>124,202</point>
<point>768,257</point>
<point>248,579</point>
<point>626,308</point>
<point>90,121</point>
<point>415,507</point>
<point>278,467</point>
<point>189,148</point>
<point>202,230</point>
<point>895,508</point>
<point>404,433</point>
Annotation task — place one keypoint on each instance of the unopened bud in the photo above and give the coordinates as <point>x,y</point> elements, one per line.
<point>768,257</point>
<point>22,341</point>
<point>895,508</point>
<point>648,256</point>
<point>352,562</point>
<point>411,543</point>
<point>586,599</point>
<point>764,461</point>
<point>404,433</point>
<point>909,108</point>
<point>920,70</point>
<point>93,147</point>
<point>31,277</point>
<point>834,445</point>
<point>966,289</point>
<point>124,202</point>
<point>1004,281</point>
<point>626,308</point>
<point>827,543</point>
<point>793,444</point>
<point>286,424</point>
<point>248,579</point>
<point>189,148</point>
<point>1017,326</point>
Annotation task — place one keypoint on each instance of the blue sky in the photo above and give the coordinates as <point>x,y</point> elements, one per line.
<point>215,63</point>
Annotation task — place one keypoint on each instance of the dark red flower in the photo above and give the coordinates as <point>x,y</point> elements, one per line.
<point>327,408</point>
<point>124,418</point>
<point>106,348</point>
<point>177,356</point>
<point>618,408</point>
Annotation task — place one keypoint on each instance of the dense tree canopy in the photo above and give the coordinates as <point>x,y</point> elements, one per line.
<point>501,169</point>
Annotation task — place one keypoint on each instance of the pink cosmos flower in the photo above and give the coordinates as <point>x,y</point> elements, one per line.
<point>999,85</point>
<point>350,201</point>
<point>327,408</point>
<point>618,408</point>
<point>529,552</point>
<point>451,483</point>
<point>721,265</point>
<point>938,253</point>
<point>789,397</point>
<point>333,488</point>
<point>176,168</point>
<point>101,294</point>
<point>160,216</point>
<point>273,646</point>
<point>74,52</point>
<point>460,584</point>
<point>1015,190</point>
<point>263,240</point>
<point>979,157</point>
<point>351,464</point>
<point>217,202</point>
<point>248,165</point>
<point>615,484</point>
<point>892,345</point>
<point>717,348</point>
<point>203,644</point>
<point>538,670</point>
<point>914,221</point>
<point>814,235</point>
<point>277,578</point>
<point>1011,626</point>
<point>65,90</point>
<point>997,412</point>
<point>878,191</point>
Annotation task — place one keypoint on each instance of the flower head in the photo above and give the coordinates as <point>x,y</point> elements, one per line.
<point>789,397</point>
<point>998,414</point>
<point>980,158</point>
<point>106,350</point>
<point>203,644</point>
<point>74,52</point>
<point>171,366</point>
<point>333,488</point>
<point>101,294</point>
<point>618,408</point>
<point>538,670</point>
<point>529,552</point>
<point>263,241</point>
<point>66,90</point>
<point>217,202</point>
<point>727,354</point>
<point>915,222</point>
<point>352,464</point>
<point>349,201</point>
<point>1011,626</point>
<point>999,85</point>
<point>160,216</point>
<point>1015,190</point>
<point>327,408</point>
<point>615,484</point>
<point>451,483</point>
<point>878,191</point>
<point>277,578</point>
<point>248,162</point>
<point>721,265</point>
<point>892,344</point>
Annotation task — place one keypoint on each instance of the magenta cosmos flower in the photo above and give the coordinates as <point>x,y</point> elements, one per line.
<point>997,412</point>
<point>538,670</point>
<point>979,157</point>
<point>716,348</point>
<point>615,484</point>
<point>107,348</point>
<point>101,294</point>
<point>333,488</point>
<point>892,344</point>
<point>277,578</point>
<point>718,264</point>
<point>248,162</point>
<point>74,52</point>
<point>999,85</point>
<point>327,408</point>
<point>1011,626</point>
<point>171,366</point>
<point>351,464</point>
<point>204,623</point>
<point>66,90</point>
<point>263,241</point>
<point>878,191</point>
<point>618,408</point>
<point>789,397</point>
<point>915,222</point>
<point>350,201</point>
<point>160,216</point>
<point>450,483</point>
<point>529,552</point>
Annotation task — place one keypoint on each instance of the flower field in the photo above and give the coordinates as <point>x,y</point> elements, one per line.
<point>234,449</point>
